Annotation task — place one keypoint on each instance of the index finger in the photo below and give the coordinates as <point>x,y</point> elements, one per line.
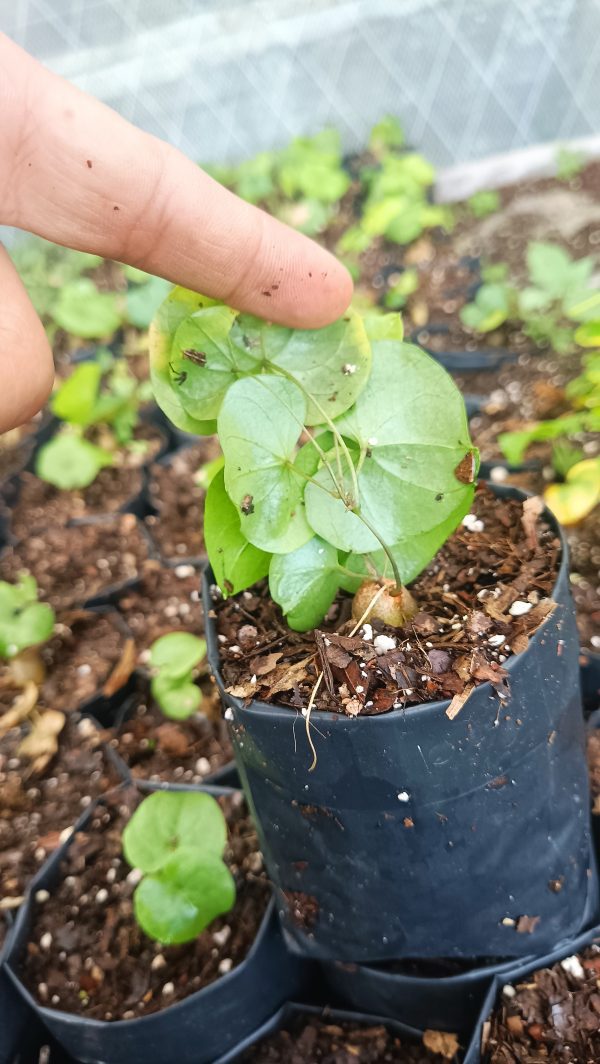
<point>75,172</point>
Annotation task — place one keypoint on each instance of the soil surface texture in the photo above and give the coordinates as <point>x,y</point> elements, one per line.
<point>551,1018</point>
<point>174,751</point>
<point>74,564</point>
<point>177,494</point>
<point>327,1041</point>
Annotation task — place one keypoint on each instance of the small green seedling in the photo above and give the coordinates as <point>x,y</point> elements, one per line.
<point>174,658</point>
<point>485,202</point>
<point>177,841</point>
<point>346,451</point>
<point>24,622</point>
<point>559,293</point>
<point>569,164</point>
<point>100,394</point>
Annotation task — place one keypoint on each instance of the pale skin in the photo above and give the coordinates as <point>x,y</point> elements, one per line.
<point>75,172</point>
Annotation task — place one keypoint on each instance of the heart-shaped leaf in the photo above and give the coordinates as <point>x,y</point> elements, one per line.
<point>236,563</point>
<point>184,896</point>
<point>70,462</point>
<point>259,424</point>
<point>179,304</point>
<point>304,583</point>
<point>167,820</point>
<point>205,363</point>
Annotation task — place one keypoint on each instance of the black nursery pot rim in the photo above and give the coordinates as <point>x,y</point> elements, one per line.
<point>432,709</point>
<point>76,1018</point>
<point>10,962</point>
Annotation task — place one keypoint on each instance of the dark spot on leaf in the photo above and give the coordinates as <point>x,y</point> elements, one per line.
<point>228,586</point>
<point>368,452</point>
<point>439,497</point>
<point>465,470</point>
<point>197,357</point>
<point>88,163</point>
<point>332,398</point>
<point>247,506</point>
<point>179,377</point>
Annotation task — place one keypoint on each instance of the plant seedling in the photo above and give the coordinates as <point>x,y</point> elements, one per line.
<point>485,202</point>
<point>569,164</point>
<point>102,394</point>
<point>559,293</point>
<point>346,451</point>
<point>174,658</point>
<point>24,622</point>
<point>177,841</point>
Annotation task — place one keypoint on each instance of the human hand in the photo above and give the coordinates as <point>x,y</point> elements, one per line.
<point>75,172</point>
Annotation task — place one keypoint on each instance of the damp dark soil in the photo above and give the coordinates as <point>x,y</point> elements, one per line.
<point>177,494</point>
<point>330,1041</point>
<point>76,663</point>
<point>480,599</point>
<point>38,806</point>
<point>74,564</point>
<point>87,955</point>
<point>40,505</point>
<point>173,751</point>
<point>553,1017</point>
<point>166,600</point>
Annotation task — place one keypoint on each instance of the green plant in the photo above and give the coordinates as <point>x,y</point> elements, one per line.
<point>177,842</point>
<point>387,133</point>
<point>558,294</point>
<point>24,622</point>
<point>98,394</point>
<point>346,451</point>
<point>568,164</point>
<point>174,658</point>
<point>485,202</point>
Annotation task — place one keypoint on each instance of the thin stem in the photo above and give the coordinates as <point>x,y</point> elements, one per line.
<point>385,548</point>
<point>327,421</point>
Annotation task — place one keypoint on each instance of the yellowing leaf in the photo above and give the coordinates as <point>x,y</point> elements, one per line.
<point>573,500</point>
<point>41,744</point>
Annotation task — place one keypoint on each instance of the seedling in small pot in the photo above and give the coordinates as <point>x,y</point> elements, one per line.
<point>347,457</point>
<point>25,623</point>
<point>101,398</point>
<point>174,659</point>
<point>177,841</point>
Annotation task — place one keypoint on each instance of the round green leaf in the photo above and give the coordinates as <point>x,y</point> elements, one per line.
<point>178,699</point>
<point>177,653</point>
<point>84,311</point>
<point>179,304</point>
<point>305,582</point>
<point>406,486</point>
<point>332,364</point>
<point>70,462</point>
<point>167,820</point>
<point>76,399</point>
<point>204,363</point>
<point>183,897</point>
<point>259,424</point>
<point>236,563</point>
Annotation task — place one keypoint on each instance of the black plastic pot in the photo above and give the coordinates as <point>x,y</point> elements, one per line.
<point>482,360</point>
<point>290,1011</point>
<point>498,800</point>
<point>14,1014</point>
<point>518,973</point>
<point>198,1029</point>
